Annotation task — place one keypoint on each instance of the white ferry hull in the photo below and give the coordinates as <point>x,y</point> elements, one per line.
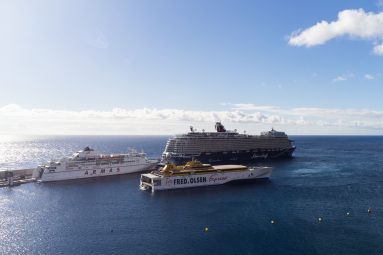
<point>93,172</point>
<point>198,180</point>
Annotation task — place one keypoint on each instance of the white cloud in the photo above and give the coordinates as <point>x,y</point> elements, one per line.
<point>353,23</point>
<point>339,78</point>
<point>15,119</point>
<point>253,118</point>
<point>249,107</point>
<point>321,117</point>
<point>344,77</point>
<point>378,49</point>
<point>369,77</point>
<point>99,40</point>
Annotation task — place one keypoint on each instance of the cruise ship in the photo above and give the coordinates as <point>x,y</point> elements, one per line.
<point>196,174</point>
<point>226,147</point>
<point>88,163</point>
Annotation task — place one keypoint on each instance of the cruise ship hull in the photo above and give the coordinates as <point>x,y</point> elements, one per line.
<point>218,158</point>
<point>93,172</point>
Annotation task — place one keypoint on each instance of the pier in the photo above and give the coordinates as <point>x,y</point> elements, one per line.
<point>9,178</point>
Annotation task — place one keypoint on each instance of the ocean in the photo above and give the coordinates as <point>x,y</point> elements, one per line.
<point>335,178</point>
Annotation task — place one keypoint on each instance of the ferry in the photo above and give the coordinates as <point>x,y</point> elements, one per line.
<point>88,163</point>
<point>227,147</point>
<point>196,174</point>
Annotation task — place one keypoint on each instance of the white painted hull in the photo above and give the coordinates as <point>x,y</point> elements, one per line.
<point>93,172</point>
<point>198,180</point>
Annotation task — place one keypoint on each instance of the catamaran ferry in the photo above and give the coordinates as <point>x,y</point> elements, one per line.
<point>88,163</point>
<point>195,174</point>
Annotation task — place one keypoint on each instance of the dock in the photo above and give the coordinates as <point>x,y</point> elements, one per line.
<point>15,177</point>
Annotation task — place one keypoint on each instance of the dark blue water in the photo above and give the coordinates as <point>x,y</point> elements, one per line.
<point>328,177</point>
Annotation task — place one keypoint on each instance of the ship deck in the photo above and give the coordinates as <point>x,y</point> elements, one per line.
<point>192,171</point>
<point>229,167</point>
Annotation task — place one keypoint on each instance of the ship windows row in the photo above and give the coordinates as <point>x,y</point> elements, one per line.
<point>102,171</point>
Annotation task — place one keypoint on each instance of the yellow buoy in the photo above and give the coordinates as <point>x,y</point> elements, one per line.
<point>206,229</point>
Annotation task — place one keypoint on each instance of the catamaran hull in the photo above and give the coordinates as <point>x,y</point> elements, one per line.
<point>198,180</point>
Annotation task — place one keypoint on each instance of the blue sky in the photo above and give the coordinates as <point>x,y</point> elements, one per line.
<point>193,58</point>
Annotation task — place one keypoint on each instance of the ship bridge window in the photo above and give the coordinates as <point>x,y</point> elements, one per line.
<point>146,179</point>
<point>157,182</point>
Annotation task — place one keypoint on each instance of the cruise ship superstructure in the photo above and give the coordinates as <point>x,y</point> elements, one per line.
<point>225,147</point>
<point>88,163</point>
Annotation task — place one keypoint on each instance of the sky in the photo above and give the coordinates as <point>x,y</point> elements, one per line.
<point>157,67</point>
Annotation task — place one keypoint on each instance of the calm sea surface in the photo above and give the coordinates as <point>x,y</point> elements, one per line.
<point>328,177</point>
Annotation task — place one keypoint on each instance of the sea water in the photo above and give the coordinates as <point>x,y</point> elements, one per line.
<point>335,178</point>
